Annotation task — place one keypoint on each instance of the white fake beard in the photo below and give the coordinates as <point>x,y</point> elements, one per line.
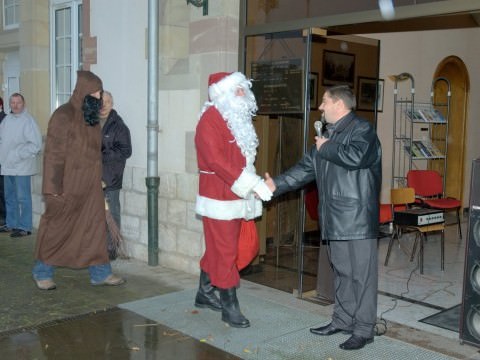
<point>238,112</point>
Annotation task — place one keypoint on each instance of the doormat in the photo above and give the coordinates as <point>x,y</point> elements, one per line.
<point>279,329</point>
<point>448,319</point>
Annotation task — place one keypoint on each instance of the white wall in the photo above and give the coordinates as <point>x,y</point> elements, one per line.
<point>122,50</point>
<point>121,32</point>
<point>419,53</point>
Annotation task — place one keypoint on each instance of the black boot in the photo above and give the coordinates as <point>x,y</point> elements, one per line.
<point>231,309</point>
<point>206,294</point>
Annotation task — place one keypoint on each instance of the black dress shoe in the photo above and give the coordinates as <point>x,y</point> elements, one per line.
<point>355,342</point>
<point>328,330</point>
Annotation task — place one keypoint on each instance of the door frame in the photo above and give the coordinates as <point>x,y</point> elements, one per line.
<point>455,70</point>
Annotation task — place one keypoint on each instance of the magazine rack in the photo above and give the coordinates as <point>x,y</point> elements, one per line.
<point>420,130</point>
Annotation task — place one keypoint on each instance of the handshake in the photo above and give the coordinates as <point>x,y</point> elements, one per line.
<point>265,188</point>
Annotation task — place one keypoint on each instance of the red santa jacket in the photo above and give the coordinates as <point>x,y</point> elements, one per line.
<point>226,182</point>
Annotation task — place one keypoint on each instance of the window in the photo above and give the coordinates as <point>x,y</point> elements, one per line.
<point>11,14</point>
<point>66,32</point>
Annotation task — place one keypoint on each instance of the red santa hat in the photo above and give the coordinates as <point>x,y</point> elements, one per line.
<point>221,82</point>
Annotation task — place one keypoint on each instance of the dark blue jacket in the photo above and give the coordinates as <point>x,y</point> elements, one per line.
<point>116,149</point>
<point>348,173</point>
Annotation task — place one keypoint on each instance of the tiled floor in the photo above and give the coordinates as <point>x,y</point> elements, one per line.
<point>421,295</point>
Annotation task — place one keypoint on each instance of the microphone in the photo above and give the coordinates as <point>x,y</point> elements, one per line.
<point>318,127</point>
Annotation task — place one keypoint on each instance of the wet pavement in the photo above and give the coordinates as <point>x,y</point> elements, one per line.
<point>111,334</point>
<point>81,321</point>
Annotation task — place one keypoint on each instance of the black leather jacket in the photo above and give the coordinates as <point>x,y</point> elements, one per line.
<point>348,173</point>
<point>116,149</point>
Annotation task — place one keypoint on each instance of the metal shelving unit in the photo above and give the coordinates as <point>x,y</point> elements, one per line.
<point>420,130</point>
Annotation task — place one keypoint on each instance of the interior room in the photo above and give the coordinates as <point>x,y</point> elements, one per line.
<point>292,257</point>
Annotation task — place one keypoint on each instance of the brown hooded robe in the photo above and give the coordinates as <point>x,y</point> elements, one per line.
<point>72,230</point>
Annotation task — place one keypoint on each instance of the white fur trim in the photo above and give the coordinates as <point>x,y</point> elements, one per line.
<point>245,183</point>
<point>227,210</point>
<point>225,85</point>
<point>262,190</point>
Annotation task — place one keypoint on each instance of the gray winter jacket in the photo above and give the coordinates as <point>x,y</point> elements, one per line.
<point>348,173</point>
<point>20,144</point>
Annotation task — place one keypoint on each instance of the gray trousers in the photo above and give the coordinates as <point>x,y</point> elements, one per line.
<point>356,283</point>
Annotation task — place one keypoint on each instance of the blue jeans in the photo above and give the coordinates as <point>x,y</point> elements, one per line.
<point>98,273</point>
<point>18,202</point>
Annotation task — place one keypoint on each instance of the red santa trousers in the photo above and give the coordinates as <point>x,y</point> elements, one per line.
<point>221,247</point>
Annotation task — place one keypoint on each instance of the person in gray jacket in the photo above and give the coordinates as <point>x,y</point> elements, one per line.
<point>20,143</point>
<point>346,165</point>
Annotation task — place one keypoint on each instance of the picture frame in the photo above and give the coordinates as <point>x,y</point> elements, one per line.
<point>338,68</point>
<point>370,94</point>
<point>313,90</point>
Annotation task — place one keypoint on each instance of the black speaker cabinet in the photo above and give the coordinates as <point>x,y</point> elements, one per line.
<point>470,314</point>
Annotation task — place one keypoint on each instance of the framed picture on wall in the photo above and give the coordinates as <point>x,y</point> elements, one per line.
<point>313,90</point>
<point>370,94</point>
<point>338,68</point>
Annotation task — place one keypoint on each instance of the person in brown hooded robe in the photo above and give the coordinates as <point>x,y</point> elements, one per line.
<point>72,229</point>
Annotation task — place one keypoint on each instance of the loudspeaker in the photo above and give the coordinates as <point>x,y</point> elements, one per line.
<point>470,314</point>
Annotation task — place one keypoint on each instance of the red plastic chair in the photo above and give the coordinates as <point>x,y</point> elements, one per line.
<point>386,215</point>
<point>428,187</point>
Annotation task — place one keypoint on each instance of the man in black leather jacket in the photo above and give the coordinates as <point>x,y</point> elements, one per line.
<point>346,164</point>
<point>116,149</point>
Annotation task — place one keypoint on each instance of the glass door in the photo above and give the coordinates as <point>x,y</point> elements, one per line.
<point>290,71</point>
<point>279,63</point>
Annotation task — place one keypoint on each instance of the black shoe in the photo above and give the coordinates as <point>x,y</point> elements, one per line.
<point>355,342</point>
<point>206,297</point>
<point>231,313</point>
<point>328,330</point>
<point>20,233</point>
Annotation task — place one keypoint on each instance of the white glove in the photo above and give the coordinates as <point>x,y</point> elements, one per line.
<point>262,190</point>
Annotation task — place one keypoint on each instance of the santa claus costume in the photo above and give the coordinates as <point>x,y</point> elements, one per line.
<point>229,188</point>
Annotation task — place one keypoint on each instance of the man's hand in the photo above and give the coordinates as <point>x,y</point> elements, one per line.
<point>270,183</point>
<point>319,141</point>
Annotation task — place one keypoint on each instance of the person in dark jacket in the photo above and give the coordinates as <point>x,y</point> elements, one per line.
<point>116,149</point>
<point>346,164</point>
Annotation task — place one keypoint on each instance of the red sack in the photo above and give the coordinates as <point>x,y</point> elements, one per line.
<point>248,243</point>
